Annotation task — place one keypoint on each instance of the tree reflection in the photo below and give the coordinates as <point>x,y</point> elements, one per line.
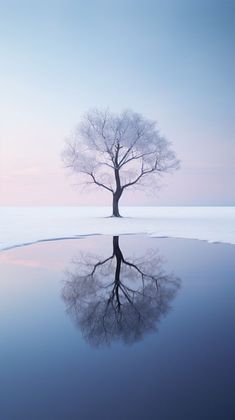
<point>116,298</point>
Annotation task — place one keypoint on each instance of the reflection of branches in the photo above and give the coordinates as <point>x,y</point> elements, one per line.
<point>116,298</point>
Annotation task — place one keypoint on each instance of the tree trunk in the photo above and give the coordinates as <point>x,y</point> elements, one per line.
<point>117,194</point>
<point>116,198</point>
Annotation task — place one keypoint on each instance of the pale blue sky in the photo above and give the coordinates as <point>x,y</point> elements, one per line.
<point>171,60</point>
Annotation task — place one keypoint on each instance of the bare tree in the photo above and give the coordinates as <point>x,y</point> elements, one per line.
<point>117,297</point>
<point>116,152</point>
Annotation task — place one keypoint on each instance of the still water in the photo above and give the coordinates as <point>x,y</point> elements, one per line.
<point>117,328</point>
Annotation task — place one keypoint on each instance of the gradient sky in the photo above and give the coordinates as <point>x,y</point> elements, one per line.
<point>172,60</point>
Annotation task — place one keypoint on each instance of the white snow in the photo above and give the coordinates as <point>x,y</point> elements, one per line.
<point>25,225</point>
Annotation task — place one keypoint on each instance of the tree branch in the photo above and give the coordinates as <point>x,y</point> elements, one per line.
<point>136,157</point>
<point>143,172</point>
<point>100,184</point>
<point>129,149</point>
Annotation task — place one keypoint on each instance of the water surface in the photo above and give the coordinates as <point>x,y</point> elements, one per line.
<point>117,328</point>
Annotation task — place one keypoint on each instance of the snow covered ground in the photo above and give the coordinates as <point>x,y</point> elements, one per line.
<point>25,225</point>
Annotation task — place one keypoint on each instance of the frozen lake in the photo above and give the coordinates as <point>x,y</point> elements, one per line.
<point>25,225</point>
<point>129,327</point>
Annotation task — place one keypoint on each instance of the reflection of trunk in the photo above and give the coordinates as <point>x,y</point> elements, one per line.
<point>116,249</point>
<point>117,194</point>
<point>118,254</point>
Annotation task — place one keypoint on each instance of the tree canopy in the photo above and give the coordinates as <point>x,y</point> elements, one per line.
<point>118,151</point>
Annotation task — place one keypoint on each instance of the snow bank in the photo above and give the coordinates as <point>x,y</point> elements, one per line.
<point>25,225</point>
